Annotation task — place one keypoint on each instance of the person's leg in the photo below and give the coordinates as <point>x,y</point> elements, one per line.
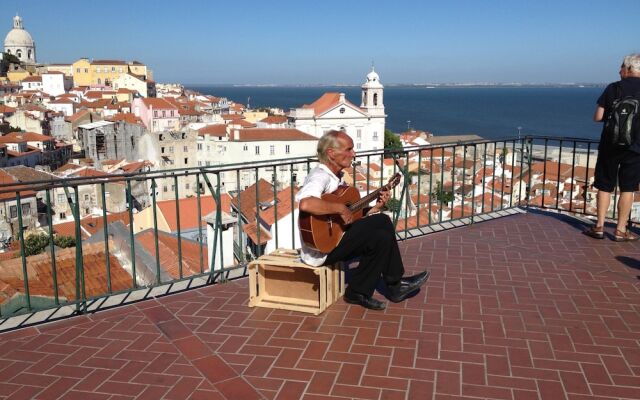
<point>624,209</point>
<point>373,240</point>
<point>602,203</point>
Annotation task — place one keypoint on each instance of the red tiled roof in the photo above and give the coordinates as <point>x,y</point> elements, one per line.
<point>21,137</point>
<point>158,103</point>
<point>213,130</point>
<point>188,208</point>
<point>251,229</point>
<point>76,116</point>
<point>126,117</point>
<point>326,102</point>
<point>108,62</point>
<point>247,204</point>
<point>168,249</point>
<point>283,206</point>
<point>32,79</point>
<point>275,119</point>
<point>40,272</point>
<point>258,134</point>
<point>13,185</point>
<point>6,109</point>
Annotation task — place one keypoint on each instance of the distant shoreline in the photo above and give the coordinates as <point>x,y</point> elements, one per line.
<point>407,85</point>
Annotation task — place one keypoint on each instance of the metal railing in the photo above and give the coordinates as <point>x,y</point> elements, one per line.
<point>131,233</point>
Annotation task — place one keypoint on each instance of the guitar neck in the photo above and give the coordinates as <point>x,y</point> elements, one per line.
<point>360,204</point>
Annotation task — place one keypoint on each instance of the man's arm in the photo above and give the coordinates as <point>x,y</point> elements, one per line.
<point>598,115</point>
<point>316,206</point>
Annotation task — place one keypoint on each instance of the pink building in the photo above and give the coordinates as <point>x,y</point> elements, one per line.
<point>157,114</point>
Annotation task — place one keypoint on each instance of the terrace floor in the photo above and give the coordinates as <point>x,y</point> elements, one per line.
<point>521,307</point>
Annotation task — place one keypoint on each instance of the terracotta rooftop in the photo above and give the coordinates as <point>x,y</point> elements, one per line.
<point>275,119</point>
<point>219,130</point>
<point>158,103</point>
<point>326,102</point>
<point>10,185</point>
<point>266,134</point>
<point>188,208</point>
<point>40,273</point>
<point>247,203</point>
<point>168,248</point>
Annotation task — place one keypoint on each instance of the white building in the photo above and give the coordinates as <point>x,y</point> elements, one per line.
<point>56,83</point>
<point>332,111</point>
<point>221,145</point>
<point>20,43</point>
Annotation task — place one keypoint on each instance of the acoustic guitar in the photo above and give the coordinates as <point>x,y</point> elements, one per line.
<point>323,232</point>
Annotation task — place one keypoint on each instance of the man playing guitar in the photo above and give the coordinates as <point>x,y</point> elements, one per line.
<point>371,238</point>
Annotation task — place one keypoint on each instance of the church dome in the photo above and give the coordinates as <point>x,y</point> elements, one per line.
<point>373,80</point>
<point>18,36</point>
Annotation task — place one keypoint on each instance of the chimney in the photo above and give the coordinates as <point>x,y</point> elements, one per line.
<point>342,98</point>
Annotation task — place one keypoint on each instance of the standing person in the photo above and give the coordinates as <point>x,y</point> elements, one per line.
<point>372,238</point>
<point>617,163</point>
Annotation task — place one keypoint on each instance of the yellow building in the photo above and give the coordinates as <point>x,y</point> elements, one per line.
<point>105,72</point>
<point>81,72</point>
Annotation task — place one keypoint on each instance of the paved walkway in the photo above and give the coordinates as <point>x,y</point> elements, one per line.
<point>523,307</point>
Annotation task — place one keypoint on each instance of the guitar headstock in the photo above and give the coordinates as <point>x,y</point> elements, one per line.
<point>394,180</point>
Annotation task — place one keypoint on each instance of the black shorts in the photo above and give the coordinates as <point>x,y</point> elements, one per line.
<point>617,166</point>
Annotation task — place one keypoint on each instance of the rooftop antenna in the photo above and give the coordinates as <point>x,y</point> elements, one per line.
<point>248,101</point>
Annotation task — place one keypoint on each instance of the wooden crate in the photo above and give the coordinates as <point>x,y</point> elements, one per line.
<point>280,280</point>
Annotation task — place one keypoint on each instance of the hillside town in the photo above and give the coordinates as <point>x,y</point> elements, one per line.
<point>101,122</point>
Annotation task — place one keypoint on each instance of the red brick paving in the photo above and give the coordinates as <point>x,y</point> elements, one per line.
<point>523,307</point>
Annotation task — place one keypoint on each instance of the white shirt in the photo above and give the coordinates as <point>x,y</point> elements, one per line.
<point>319,181</point>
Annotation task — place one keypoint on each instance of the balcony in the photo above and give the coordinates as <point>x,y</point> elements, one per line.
<point>519,305</point>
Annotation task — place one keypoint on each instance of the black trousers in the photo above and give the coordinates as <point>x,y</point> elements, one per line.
<point>373,240</point>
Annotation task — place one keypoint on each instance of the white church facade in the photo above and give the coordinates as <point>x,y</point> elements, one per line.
<point>332,111</point>
<point>20,43</point>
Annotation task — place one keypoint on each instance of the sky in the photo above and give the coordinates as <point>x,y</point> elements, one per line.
<point>336,42</point>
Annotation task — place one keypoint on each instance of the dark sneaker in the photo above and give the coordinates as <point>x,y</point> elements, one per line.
<point>596,232</point>
<point>364,301</point>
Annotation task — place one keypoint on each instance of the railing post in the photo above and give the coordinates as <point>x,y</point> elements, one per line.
<point>177,197</point>
<point>106,236</point>
<point>23,255</point>
<point>52,248</point>
<point>155,229</point>
<point>132,233</point>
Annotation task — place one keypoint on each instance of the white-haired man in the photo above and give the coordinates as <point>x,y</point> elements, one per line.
<point>371,238</point>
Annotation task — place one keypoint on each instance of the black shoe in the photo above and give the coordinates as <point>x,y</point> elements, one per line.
<point>365,301</point>
<point>417,279</point>
<point>403,289</point>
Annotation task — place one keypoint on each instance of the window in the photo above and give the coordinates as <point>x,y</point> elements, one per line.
<point>287,149</point>
<point>245,148</point>
<point>155,113</point>
<point>185,149</point>
<point>375,135</point>
<point>164,114</point>
<point>257,150</point>
<point>186,161</point>
<point>358,145</point>
<point>199,146</point>
<point>359,134</point>
<point>173,188</point>
<point>162,150</point>
<point>208,148</point>
<point>375,99</point>
<point>164,189</point>
<point>272,149</point>
<point>99,81</point>
<point>86,197</point>
<point>61,198</point>
<point>86,70</point>
<point>208,163</point>
<point>170,149</point>
<point>113,69</point>
<point>199,163</point>
<point>78,70</point>
<point>13,211</point>
<point>62,215</point>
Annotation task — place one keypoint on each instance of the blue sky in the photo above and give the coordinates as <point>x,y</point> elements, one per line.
<point>335,42</point>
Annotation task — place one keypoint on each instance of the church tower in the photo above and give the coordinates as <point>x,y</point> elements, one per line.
<point>372,92</point>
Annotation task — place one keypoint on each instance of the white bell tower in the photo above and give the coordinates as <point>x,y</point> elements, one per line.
<point>372,95</point>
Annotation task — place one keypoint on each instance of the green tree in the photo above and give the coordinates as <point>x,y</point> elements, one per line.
<point>391,141</point>
<point>35,243</point>
<point>64,241</point>
<point>442,195</point>
<point>393,205</point>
